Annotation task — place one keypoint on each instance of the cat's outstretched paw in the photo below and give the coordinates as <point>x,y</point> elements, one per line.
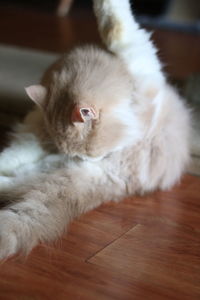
<point>8,238</point>
<point>13,235</point>
<point>8,245</point>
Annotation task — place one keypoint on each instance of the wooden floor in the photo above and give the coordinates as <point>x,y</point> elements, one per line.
<point>141,248</point>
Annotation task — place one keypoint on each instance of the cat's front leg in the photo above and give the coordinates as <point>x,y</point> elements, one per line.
<point>122,35</point>
<point>34,219</point>
<point>43,208</point>
<point>10,228</point>
<point>38,211</point>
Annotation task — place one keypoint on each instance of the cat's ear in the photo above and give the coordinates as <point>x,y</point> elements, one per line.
<point>37,93</point>
<point>83,114</point>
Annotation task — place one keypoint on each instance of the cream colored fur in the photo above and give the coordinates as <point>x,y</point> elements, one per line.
<point>54,169</point>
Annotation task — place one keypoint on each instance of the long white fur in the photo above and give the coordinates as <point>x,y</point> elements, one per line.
<point>41,215</point>
<point>24,149</point>
<point>123,36</point>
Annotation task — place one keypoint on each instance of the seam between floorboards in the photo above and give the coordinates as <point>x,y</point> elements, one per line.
<point>108,244</point>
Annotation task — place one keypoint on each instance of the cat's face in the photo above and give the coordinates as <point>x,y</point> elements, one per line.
<point>88,108</point>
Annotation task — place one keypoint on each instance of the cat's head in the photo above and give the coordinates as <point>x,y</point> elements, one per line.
<point>87,102</point>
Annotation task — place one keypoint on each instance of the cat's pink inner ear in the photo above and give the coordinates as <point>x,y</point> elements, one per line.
<point>37,93</point>
<point>83,114</point>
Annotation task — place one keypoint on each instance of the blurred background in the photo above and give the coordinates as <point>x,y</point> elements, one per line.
<point>175,14</point>
<point>33,33</point>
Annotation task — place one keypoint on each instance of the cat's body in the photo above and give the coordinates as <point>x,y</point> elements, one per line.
<point>105,126</point>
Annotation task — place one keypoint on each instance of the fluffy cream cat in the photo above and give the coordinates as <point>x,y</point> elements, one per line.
<point>106,125</point>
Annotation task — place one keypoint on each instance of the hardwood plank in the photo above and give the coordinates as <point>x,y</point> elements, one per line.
<point>159,256</point>
<point>156,259</point>
<point>94,231</point>
<point>66,276</point>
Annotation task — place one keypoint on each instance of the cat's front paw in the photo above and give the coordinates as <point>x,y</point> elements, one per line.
<point>14,237</point>
<point>8,245</point>
<point>8,239</point>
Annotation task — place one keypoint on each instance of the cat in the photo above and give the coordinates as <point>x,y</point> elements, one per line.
<point>106,124</point>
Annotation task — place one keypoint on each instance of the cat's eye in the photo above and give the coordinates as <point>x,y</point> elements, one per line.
<point>85,111</point>
<point>83,114</point>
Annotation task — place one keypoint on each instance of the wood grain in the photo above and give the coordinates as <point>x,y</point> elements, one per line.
<point>156,257</point>
<point>141,248</point>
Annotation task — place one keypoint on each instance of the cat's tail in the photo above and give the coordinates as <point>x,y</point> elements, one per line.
<point>122,35</point>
